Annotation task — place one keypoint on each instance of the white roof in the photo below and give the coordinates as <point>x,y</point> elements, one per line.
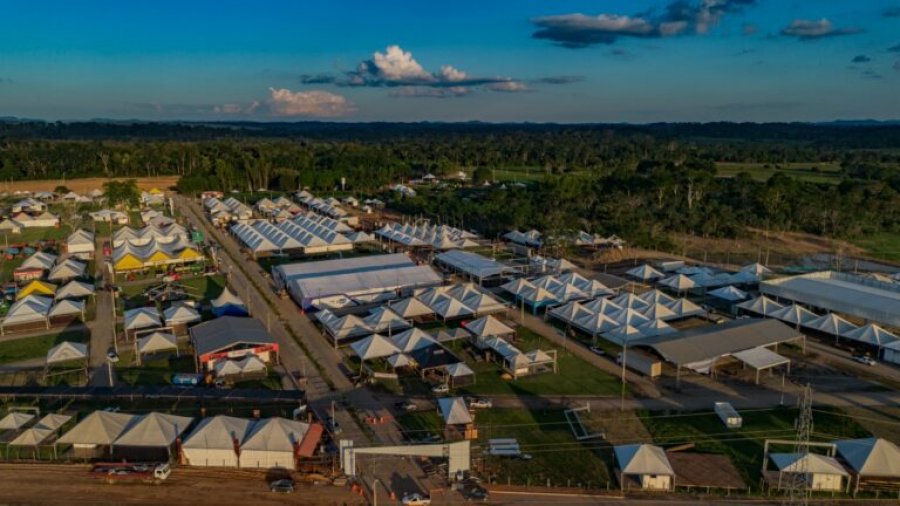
<point>679,282</point>
<point>99,428</point>
<point>595,323</point>
<point>275,435</point>
<point>488,326</point>
<point>794,314</point>
<point>624,334</point>
<point>454,411</point>
<point>872,334</point>
<point>761,358</point>
<point>683,308</point>
<point>459,369</point>
<point>831,323</point>
<point>31,437</point>
<point>227,298</point>
<point>142,318</point>
<point>871,456</point>
<point>40,260</point>
<point>656,296</point>
<point>382,319</point>
<point>52,421</point>
<point>604,306</point>
<point>218,433</point>
<point>66,307</point>
<point>28,309</point>
<point>645,272</point>
<point>761,305</point>
<point>448,307</point>
<point>410,307</point>
<point>180,312</point>
<point>643,459</point>
<point>517,286</point>
<point>15,420</point>
<point>374,346</point>
<point>472,263</point>
<point>413,339</point>
<point>399,360</point>
<point>756,269</point>
<point>629,316</point>
<point>251,363</point>
<point>810,463</point>
<point>570,312</point>
<point>227,368</point>
<point>729,293</point>
<point>74,290</point>
<point>656,328</point>
<point>67,269</point>
<point>630,300</point>
<point>157,341</point>
<point>658,311</point>
<point>66,351</point>
<point>155,430</point>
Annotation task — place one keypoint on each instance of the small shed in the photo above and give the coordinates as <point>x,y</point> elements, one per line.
<point>645,465</point>
<point>820,472</point>
<point>154,342</point>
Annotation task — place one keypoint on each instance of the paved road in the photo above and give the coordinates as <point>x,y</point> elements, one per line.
<point>103,327</point>
<point>155,392</point>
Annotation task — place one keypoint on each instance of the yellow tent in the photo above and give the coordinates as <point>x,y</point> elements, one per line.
<point>129,262</point>
<point>36,287</point>
<point>156,191</point>
<point>189,254</point>
<point>159,257</point>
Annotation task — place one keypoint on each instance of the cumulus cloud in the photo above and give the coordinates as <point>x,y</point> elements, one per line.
<point>680,17</point>
<point>314,103</point>
<point>508,87</point>
<point>860,58</point>
<point>808,29</point>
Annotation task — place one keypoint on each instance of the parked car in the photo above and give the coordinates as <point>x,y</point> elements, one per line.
<point>443,388</point>
<point>597,351</point>
<point>284,486</point>
<point>405,406</point>
<point>415,500</point>
<point>864,359</point>
<point>480,403</point>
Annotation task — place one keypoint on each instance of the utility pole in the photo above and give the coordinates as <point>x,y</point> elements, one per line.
<point>798,491</point>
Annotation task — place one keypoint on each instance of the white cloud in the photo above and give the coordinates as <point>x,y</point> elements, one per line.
<point>508,86</point>
<point>314,103</point>
<point>395,64</point>
<point>449,73</point>
<point>806,29</point>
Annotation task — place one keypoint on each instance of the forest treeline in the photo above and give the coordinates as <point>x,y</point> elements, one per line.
<point>640,181</point>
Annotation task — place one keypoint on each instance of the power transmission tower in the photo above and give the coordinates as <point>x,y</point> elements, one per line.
<point>798,491</point>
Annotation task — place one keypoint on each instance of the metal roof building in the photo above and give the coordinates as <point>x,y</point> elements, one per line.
<point>231,337</point>
<point>864,298</point>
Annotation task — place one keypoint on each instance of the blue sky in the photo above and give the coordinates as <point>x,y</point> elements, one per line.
<point>523,60</point>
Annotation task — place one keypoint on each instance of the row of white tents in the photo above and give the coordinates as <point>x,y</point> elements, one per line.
<point>58,270</point>
<point>693,277</point>
<point>300,234</point>
<point>439,237</point>
<point>554,290</point>
<point>150,233</point>
<point>226,211</point>
<point>627,316</point>
<point>828,323</point>
<point>36,308</point>
<point>178,313</point>
<point>330,206</point>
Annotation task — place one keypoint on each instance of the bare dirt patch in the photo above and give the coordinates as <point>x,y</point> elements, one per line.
<point>87,184</point>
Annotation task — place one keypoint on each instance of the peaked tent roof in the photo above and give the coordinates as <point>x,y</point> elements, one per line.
<point>410,307</point>
<point>448,307</point>
<point>15,420</point>
<point>761,305</point>
<point>459,369</point>
<point>831,323</point>
<point>275,434</point>
<point>645,273</point>
<point>517,286</point>
<point>729,293</point>
<point>142,318</point>
<point>74,290</point>
<point>99,428</point>
<point>794,314</point>
<point>67,269</point>
<point>227,298</point>
<point>52,421</point>
<point>871,456</point>
<point>454,411</point>
<point>810,463</point>
<point>66,307</point>
<point>684,308</point>
<point>65,351</point>
<point>756,269</point>
<point>374,346</point>
<point>155,430</point>
<point>31,437</point>
<point>218,433</point>
<point>39,259</point>
<point>643,459</point>
<point>679,282</point>
<point>871,334</point>
<point>157,341</point>
<point>488,326</point>
<point>413,339</point>
<point>180,312</point>
<point>656,296</point>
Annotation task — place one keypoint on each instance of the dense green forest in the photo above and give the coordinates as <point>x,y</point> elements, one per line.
<point>640,181</point>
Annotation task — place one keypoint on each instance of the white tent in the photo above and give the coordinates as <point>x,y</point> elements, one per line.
<point>658,311</point>
<point>99,428</point>
<point>604,306</point>
<point>630,300</point>
<point>66,307</point>
<point>679,283</point>
<point>410,307</point>
<point>648,463</point>
<point>684,308</point>
<point>227,299</point>
<point>756,269</point>
<point>874,457</point>
<point>384,319</point>
<point>454,411</point>
<point>142,318</point>
<point>656,296</point>
<point>399,360</point>
<point>271,443</point>
<point>656,328</point>
<point>181,313</point>
<point>565,292</point>
<point>39,260</point>
<point>374,346</point>
<point>31,308</point>
<point>821,471</point>
<point>67,269</point>
<point>413,339</point>
<point>743,278</point>
<point>891,352</point>
<point>570,312</point>
<point>52,421</point>
<point>871,334</point>
<point>517,286</point>
<point>488,326</point>
<point>31,437</point>
<point>645,273</point>
<point>214,441</point>
<point>74,290</point>
<point>482,303</point>
<point>761,305</point>
<point>15,420</point>
<point>831,324</point>
<point>225,368</point>
<point>624,334</point>
<point>159,430</point>
<point>596,323</point>
<point>447,307</point>
<point>343,327</point>
<point>458,370</point>
<point>251,364</point>
<point>156,342</point>
<point>66,351</point>
<point>729,293</point>
<point>629,316</point>
<point>798,315</point>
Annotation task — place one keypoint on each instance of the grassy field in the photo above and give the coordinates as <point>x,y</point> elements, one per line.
<point>812,172</point>
<point>745,446</point>
<point>545,435</point>
<point>28,348</point>
<point>32,235</point>
<point>152,373</point>
<point>199,288</point>
<point>575,376</point>
<point>885,245</point>
<point>7,267</point>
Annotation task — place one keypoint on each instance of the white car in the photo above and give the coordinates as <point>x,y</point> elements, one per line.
<point>864,359</point>
<point>480,403</point>
<point>415,500</point>
<point>443,388</point>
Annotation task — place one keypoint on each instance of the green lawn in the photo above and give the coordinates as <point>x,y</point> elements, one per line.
<point>544,435</point>
<point>28,348</point>
<point>575,376</point>
<point>745,446</point>
<point>7,267</point>
<point>884,245</point>
<point>155,372</point>
<point>812,172</point>
<point>199,288</point>
<point>32,235</point>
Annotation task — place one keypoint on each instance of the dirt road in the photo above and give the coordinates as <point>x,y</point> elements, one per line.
<point>71,484</point>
